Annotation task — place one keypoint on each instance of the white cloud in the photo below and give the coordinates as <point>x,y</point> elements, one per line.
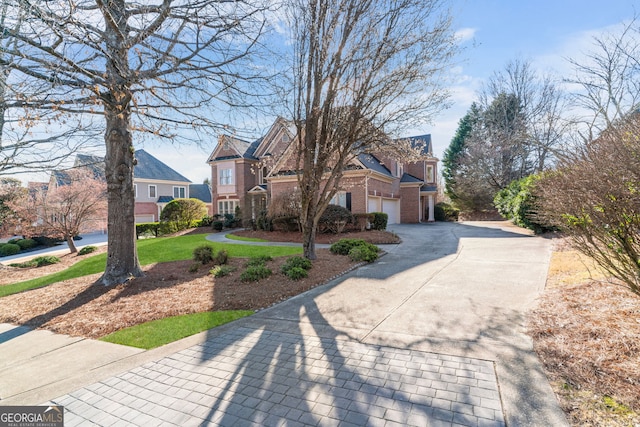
<point>465,34</point>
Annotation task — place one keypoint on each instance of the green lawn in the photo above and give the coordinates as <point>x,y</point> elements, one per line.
<point>162,249</point>
<point>245,239</point>
<point>163,331</point>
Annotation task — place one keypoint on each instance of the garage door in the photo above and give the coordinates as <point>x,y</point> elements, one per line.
<point>392,208</point>
<point>144,218</point>
<point>374,204</point>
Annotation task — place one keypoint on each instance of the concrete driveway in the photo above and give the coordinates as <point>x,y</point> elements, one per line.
<point>431,334</point>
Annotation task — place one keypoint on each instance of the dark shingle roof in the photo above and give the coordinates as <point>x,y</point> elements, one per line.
<point>409,178</point>
<point>245,149</point>
<point>429,188</point>
<point>148,167</point>
<point>371,162</point>
<point>200,192</point>
<point>422,139</point>
<point>165,199</point>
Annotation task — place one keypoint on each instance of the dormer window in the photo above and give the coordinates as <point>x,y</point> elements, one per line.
<point>431,175</point>
<point>399,169</point>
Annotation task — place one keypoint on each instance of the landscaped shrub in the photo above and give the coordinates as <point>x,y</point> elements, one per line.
<point>296,273</point>
<point>379,221</point>
<point>45,260</point>
<point>296,267</point>
<point>9,249</point>
<point>259,260</point>
<point>221,270</point>
<point>184,213</point>
<point>343,246</point>
<point>357,249</point>
<point>194,267</point>
<point>286,223</point>
<point>205,222</point>
<point>217,225</point>
<point>254,273</point>
<point>361,221</point>
<point>47,241</point>
<point>203,254</point>
<point>368,253</point>
<point>26,244</point>
<point>445,212</point>
<point>334,219</point>
<point>87,250</point>
<point>517,202</point>
<point>221,257</point>
<point>15,240</point>
<point>147,229</point>
<point>168,227</point>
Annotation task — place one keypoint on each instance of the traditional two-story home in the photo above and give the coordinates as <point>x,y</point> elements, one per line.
<point>155,184</point>
<point>249,174</point>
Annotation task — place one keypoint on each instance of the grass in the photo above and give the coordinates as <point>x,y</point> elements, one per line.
<point>163,249</point>
<point>163,331</point>
<point>245,239</point>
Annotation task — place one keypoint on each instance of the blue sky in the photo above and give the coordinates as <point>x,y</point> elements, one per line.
<point>543,32</point>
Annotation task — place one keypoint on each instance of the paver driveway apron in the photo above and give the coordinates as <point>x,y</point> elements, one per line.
<point>432,334</point>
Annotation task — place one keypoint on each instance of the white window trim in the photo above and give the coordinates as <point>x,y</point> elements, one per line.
<point>155,191</point>
<point>178,187</point>
<point>233,203</point>
<point>135,191</point>
<point>223,178</point>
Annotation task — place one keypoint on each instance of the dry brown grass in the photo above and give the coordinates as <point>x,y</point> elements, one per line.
<point>587,334</point>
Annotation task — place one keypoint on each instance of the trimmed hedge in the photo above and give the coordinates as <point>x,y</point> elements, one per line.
<point>445,212</point>
<point>87,250</point>
<point>26,244</point>
<point>379,221</point>
<point>9,249</point>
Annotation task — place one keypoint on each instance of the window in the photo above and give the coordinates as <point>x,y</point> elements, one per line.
<point>152,191</point>
<point>227,206</point>
<point>263,174</point>
<point>431,173</point>
<point>179,192</point>
<point>225,177</point>
<point>339,199</point>
<point>135,191</point>
<point>399,169</point>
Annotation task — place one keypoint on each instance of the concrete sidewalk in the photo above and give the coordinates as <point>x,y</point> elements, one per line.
<point>431,334</point>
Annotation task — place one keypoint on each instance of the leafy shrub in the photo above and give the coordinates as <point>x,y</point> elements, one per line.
<point>26,244</point>
<point>9,249</point>
<point>184,213</point>
<point>45,260</point>
<point>445,212</point>
<point>147,228</point>
<point>205,221</point>
<point>14,241</point>
<point>26,264</point>
<point>286,223</point>
<point>229,220</point>
<point>343,246</point>
<point>221,257</point>
<point>87,250</point>
<point>254,273</point>
<point>296,267</point>
<point>368,253</point>
<point>517,202</point>
<point>296,273</point>
<point>297,261</point>
<point>258,261</point>
<point>168,227</point>
<point>203,254</point>
<point>379,221</point>
<point>334,219</point>
<point>193,268</point>
<point>221,270</point>
<point>217,225</point>
<point>361,220</point>
<point>47,241</point>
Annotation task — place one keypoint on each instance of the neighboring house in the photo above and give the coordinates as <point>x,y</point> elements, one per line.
<point>249,174</point>
<point>155,184</point>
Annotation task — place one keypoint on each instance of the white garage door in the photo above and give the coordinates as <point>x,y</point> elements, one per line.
<point>144,218</point>
<point>392,208</point>
<point>374,204</point>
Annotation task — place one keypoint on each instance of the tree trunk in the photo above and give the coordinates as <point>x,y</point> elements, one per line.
<point>122,257</point>
<point>309,237</point>
<point>72,244</point>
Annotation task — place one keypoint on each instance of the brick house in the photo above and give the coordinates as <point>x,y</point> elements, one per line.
<point>249,174</point>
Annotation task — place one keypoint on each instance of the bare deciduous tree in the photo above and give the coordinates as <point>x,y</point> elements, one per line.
<point>363,69</point>
<point>608,80</point>
<point>157,67</point>
<point>78,206</point>
<point>595,197</point>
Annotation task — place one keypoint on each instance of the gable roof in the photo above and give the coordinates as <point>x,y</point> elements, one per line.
<point>424,140</point>
<point>369,161</point>
<point>244,149</point>
<point>148,167</point>
<point>410,178</point>
<point>200,192</point>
